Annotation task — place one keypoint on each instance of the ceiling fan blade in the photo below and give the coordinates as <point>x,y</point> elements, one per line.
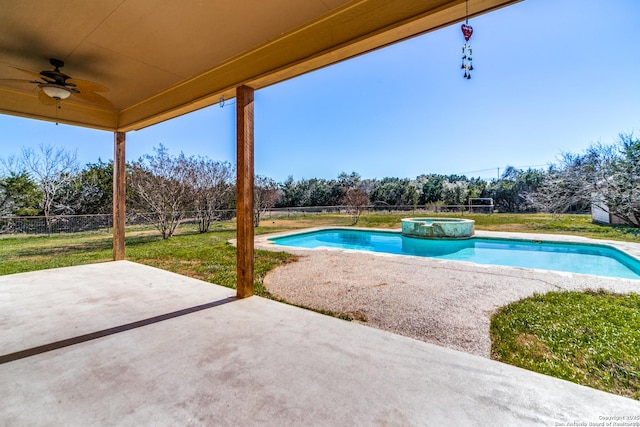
<point>34,74</point>
<point>86,85</point>
<point>19,84</point>
<point>46,99</point>
<point>18,81</point>
<point>93,98</point>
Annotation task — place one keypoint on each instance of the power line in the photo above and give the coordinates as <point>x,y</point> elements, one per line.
<point>497,168</point>
<point>476,171</point>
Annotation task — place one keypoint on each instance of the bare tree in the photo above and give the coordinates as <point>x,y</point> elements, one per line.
<point>356,200</point>
<point>52,169</point>
<point>160,189</point>
<point>616,186</point>
<point>606,176</point>
<point>557,192</point>
<point>266,194</point>
<point>213,189</point>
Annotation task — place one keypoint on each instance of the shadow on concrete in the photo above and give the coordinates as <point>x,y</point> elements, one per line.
<point>6,358</point>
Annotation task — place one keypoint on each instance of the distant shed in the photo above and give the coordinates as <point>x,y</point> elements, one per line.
<point>601,215</point>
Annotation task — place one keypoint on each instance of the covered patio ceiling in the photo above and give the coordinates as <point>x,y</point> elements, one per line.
<point>163,58</point>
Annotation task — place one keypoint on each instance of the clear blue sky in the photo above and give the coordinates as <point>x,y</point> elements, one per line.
<point>551,76</point>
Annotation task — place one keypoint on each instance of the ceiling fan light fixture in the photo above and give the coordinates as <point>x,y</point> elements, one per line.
<point>54,91</point>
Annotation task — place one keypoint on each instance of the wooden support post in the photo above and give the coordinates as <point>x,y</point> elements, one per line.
<point>119,195</point>
<point>244,190</point>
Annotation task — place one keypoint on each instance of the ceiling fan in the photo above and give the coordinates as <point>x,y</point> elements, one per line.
<point>54,86</point>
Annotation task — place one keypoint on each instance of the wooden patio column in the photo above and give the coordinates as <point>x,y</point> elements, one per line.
<point>244,190</point>
<point>119,194</point>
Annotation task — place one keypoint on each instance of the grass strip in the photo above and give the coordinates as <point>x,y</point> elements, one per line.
<point>590,338</point>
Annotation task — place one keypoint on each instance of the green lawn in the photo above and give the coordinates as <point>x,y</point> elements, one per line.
<point>24,253</point>
<point>206,256</point>
<point>589,338</point>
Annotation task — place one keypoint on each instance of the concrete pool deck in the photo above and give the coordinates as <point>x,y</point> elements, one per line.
<point>125,344</point>
<point>448,303</point>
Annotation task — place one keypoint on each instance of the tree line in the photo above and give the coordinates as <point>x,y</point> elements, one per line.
<point>162,187</point>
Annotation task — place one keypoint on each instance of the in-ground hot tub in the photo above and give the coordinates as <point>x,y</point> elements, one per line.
<point>436,228</point>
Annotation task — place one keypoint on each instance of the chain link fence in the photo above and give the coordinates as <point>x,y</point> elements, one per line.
<point>104,222</point>
<point>54,224</point>
<point>82,223</point>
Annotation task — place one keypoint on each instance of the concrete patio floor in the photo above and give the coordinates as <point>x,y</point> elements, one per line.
<point>125,344</point>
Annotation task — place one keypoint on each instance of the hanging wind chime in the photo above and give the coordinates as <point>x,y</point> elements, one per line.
<point>467,52</point>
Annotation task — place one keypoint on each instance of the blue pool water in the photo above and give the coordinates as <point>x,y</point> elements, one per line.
<point>599,260</point>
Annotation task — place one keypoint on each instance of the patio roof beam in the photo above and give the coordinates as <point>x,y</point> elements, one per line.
<point>244,190</point>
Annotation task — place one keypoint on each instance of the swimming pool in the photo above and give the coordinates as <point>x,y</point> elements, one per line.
<point>600,260</point>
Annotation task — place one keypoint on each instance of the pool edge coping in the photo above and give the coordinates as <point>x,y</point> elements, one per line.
<point>631,249</point>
